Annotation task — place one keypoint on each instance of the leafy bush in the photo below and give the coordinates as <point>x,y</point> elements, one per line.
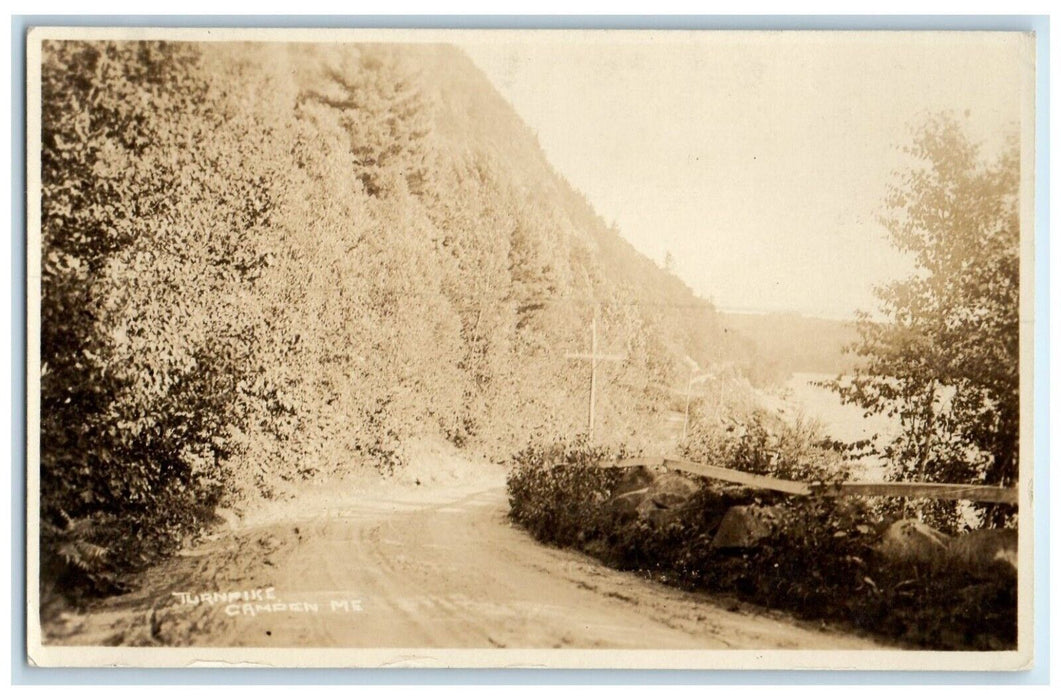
<point>756,441</point>
<point>136,380</point>
<point>820,562</point>
<point>554,492</point>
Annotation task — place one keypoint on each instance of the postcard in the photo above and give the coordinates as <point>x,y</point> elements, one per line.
<point>530,348</point>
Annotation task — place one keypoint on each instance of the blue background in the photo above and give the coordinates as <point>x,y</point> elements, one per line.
<point>24,674</point>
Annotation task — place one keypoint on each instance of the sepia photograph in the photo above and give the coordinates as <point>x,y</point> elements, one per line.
<point>530,348</point>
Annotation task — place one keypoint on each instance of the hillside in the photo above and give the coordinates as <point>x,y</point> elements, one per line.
<point>266,262</point>
<point>779,344</point>
<point>473,117</point>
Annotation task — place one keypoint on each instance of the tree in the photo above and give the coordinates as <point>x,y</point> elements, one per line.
<point>156,195</point>
<point>101,179</point>
<point>382,110</point>
<point>945,361</point>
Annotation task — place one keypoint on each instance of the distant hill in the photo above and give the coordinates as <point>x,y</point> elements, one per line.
<point>779,344</point>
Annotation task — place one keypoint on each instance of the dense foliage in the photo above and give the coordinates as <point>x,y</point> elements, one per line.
<point>945,361</point>
<point>754,440</point>
<point>820,562</point>
<point>144,336</point>
<point>265,262</point>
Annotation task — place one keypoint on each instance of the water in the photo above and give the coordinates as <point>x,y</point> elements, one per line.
<point>840,421</point>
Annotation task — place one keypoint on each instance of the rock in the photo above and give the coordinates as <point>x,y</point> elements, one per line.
<point>913,541</point>
<point>745,526</point>
<point>634,479</point>
<point>663,498</point>
<point>649,494</point>
<point>632,490</point>
<point>670,490</point>
<point>980,549</point>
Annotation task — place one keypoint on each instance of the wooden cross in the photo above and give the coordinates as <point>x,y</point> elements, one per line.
<point>594,359</point>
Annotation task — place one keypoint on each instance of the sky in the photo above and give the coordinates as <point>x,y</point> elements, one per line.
<point>759,161</point>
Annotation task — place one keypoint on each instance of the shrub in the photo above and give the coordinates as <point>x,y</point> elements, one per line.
<point>819,563</point>
<point>756,441</point>
<point>555,494</point>
<point>137,380</point>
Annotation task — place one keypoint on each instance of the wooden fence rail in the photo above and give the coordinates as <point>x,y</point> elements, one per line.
<point>904,489</point>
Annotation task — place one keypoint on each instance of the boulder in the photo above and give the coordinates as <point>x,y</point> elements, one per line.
<point>745,526</point>
<point>664,498</point>
<point>670,490</point>
<point>634,479</point>
<point>981,549</point>
<point>632,490</point>
<point>912,541</point>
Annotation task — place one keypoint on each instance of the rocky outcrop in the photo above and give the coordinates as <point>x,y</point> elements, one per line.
<point>977,551</point>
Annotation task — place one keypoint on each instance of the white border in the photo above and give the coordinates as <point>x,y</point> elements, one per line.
<point>505,658</point>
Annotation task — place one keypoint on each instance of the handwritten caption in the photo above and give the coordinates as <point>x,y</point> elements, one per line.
<point>260,601</point>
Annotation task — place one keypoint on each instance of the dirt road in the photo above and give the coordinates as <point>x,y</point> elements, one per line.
<point>413,566</point>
